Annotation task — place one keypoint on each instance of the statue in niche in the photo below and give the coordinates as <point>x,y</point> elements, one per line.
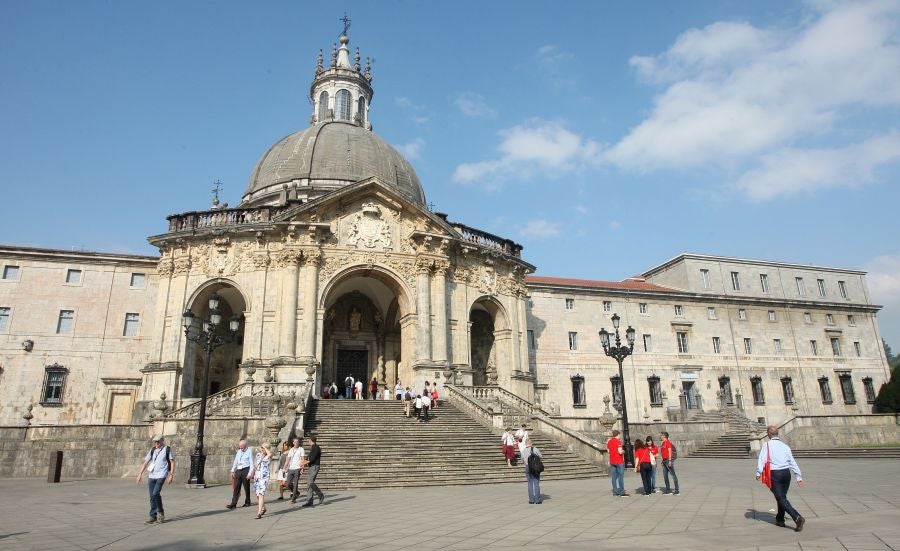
<point>355,319</point>
<point>329,318</point>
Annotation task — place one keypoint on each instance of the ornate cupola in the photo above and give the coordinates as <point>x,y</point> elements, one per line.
<point>342,91</point>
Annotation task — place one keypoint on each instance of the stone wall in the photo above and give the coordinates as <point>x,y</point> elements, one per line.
<point>839,431</point>
<point>687,437</point>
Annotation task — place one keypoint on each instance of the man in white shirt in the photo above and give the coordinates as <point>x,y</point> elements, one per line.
<point>398,391</point>
<point>294,466</point>
<point>348,387</point>
<point>241,473</point>
<point>426,405</point>
<point>161,464</point>
<point>782,463</point>
<point>418,405</point>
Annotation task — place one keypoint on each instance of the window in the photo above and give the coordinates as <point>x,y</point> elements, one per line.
<point>847,388</point>
<point>578,398</point>
<point>857,348</point>
<point>748,346</point>
<point>717,345</point>
<point>814,347</point>
<point>835,346</point>
<point>323,106</point>
<point>704,278</point>
<point>616,385</point>
<point>777,344</point>
<point>829,319</point>
<point>570,304</point>
<point>787,388</point>
<point>4,319</point>
<point>851,320</point>
<point>361,110</point>
<point>54,384</point>
<point>66,322</point>
<point>820,283</point>
<point>764,282</point>
<point>756,386</point>
<point>532,344</point>
<point>807,317</point>
<point>801,288</point>
<point>772,316</point>
<point>736,281</point>
<point>725,387</point>
<point>825,390</point>
<point>138,280</point>
<point>642,308</point>
<point>11,273</point>
<point>870,389</point>
<point>679,311</point>
<point>682,339</point>
<point>132,324</point>
<point>742,314</point>
<point>655,391</point>
<point>73,277</point>
<point>607,306</point>
<point>711,313</point>
<point>842,287</point>
<point>573,340</point>
<point>342,104</point>
<point>648,343</point>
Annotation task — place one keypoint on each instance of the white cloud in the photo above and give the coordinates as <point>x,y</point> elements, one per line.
<point>735,92</point>
<point>471,104</point>
<point>884,286</point>
<point>555,67</point>
<point>413,149</point>
<point>534,146</point>
<point>540,229</point>
<point>418,114</point>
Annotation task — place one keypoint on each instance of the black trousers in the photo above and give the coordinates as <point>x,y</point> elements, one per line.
<point>781,482</point>
<point>240,479</point>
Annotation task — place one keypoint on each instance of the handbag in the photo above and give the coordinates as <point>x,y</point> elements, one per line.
<point>766,475</point>
<point>652,459</point>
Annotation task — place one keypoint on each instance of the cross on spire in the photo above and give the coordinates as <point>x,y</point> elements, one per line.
<point>215,190</point>
<point>346,21</point>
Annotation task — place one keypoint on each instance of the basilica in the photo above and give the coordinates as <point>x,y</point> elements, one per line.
<point>332,266</point>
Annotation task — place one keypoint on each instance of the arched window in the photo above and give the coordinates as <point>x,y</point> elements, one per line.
<point>342,105</point>
<point>323,106</point>
<point>361,110</point>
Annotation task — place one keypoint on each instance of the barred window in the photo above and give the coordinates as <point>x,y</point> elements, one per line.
<point>655,391</point>
<point>54,384</point>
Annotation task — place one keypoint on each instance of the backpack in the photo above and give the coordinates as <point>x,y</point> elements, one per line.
<point>674,454</point>
<point>535,465</point>
<point>168,455</point>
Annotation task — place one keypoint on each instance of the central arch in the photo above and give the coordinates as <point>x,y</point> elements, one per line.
<point>365,328</point>
<point>489,341</point>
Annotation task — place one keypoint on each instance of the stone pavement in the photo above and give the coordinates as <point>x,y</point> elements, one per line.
<point>849,505</point>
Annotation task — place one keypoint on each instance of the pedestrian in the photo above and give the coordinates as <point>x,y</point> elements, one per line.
<point>161,465</point>
<point>509,446</point>
<point>669,454</point>
<point>654,462</point>
<point>333,390</point>
<point>281,477</point>
<point>312,470</point>
<point>522,433</point>
<point>532,478</point>
<point>358,390</point>
<point>616,456</point>
<point>348,386</point>
<point>418,406</point>
<point>241,473</point>
<point>373,389</point>
<point>326,391</point>
<point>426,405</point>
<point>407,403</point>
<point>434,396</point>
<point>427,389</point>
<point>261,477</point>
<point>642,464</point>
<point>781,462</point>
<point>398,391</point>
<point>294,464</point>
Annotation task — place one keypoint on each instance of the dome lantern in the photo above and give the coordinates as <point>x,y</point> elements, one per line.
<point>342,91</point>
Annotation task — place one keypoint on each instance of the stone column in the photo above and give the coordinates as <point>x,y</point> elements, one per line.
<point>312,258</point>
<point>423,308</point>
<point>289,259</point>
<point>439,348</point>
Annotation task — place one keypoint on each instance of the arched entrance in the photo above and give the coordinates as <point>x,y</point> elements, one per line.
<point>487,334</point>
<point>224,369</point>
<point>363,334</point>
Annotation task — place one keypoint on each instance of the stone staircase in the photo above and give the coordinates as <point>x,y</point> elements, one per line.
<point>849,453</point>
<point>370,444</point>
<point>731,445</point>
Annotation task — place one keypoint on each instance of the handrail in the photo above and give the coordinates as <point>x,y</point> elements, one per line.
<point>488,240</point>
<point>493,391</point>
<point>222,217</point>
<point>219,400</point>
<point>482,414</point>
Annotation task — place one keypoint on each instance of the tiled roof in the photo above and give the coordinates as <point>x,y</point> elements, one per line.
<point>630,285</point>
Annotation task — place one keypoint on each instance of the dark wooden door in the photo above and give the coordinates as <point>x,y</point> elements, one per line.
<point>354,363</point>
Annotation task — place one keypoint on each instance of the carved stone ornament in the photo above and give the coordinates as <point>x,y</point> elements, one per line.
<point>369,228</point>
<point>286,257</point>
<point>181,265</point>
<point>165,267</point>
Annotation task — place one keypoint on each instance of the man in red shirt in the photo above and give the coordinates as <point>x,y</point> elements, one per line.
<point>616,464</point>
<point>668,461</point>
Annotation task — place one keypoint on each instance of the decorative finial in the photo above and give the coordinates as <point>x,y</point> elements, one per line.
<point>368,72</point>
<point>319,61</point>
<point>356,65</point>
<point>334,55</point>
<point>216,190</point>
<point>346,21</point>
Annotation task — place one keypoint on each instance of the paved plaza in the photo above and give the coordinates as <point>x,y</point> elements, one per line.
<point>849,505</point>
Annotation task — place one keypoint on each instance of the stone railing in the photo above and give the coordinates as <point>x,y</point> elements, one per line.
<point>221,217</point>
<point>221,400</point>
<point>488,240</point>
<point>493,392</point>
<point>836,431</point>
<point>463,400</point>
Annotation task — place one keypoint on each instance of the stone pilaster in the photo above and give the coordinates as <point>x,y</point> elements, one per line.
<point>439,338</point>
<point>423,308</point>
<point>312,260</point>
<point>289,261</point>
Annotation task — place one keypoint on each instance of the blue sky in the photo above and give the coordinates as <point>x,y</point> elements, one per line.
<point>606,138</point>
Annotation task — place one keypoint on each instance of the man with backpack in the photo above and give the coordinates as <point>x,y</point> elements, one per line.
<point>534,466</point>
<point>161,466</point>
<point>669,455</point>
<point>348,387</point>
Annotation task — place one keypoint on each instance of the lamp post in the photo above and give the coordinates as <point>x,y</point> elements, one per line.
<point>209,338</point>
<point>619,352</point>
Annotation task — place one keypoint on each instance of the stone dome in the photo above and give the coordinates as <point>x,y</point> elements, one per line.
<point>325,157</point>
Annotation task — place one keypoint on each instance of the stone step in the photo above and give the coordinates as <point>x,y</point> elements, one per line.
<point>848,453</point>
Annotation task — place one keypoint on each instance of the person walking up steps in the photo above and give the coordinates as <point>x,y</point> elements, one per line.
<point>781,460</point>
<point>358,390</point>
<point>312,471</point>
<point>349,383</point>
<point>161,465</point>
<point>669,454</point>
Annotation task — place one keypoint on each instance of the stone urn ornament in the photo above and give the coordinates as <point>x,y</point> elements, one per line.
<point>160,406</point>
<point>311,372</point>
<point>28,416</point>
<point>249,370</point>
<point>607,420</point>
<point>268,377</point>
<point>274,423</point>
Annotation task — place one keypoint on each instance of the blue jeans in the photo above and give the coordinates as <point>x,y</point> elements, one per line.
<point>617,475</point>
<point>348,392</point>
<point>156,505</point>
<point>653,477</point>
<point>669,467</point>
<point>534,486</point>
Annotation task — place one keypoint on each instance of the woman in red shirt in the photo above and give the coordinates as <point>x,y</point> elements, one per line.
<point>654,452</point>
<point>642,464</point>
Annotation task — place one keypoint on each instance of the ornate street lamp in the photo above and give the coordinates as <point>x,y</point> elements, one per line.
<point>210,340</point>
<point>619,353</point>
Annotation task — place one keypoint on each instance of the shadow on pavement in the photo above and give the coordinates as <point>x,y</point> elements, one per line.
<point>2,536</point>
<point>763,516</point>
<point>328,501</point>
